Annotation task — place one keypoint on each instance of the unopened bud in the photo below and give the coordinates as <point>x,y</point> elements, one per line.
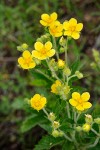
<point>55,133</point>
<point>24,46</point>
<point>56,125</point>
<point>52,116</point>
<point>62,50</point>
<point>61,64</point>
<point>88,118</point>
<point>61,133</point>
<point>86,127</point>
<point>62,41</point>
<point>78,128</point>
<point>37,61</point>
<point>67,71</point>
<point>79,74</point>
<point>97,121</point>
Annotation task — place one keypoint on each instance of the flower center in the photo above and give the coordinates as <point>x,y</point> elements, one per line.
<point>28,60</point>
<point>43,51</point>
<point>37,104</point>
<point>72,28</point>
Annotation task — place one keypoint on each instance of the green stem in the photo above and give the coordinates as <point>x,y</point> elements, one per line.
<point>66,48</point>
<point>95,132</point>
<point>45,112</point>
<point>40,72</point>
<point>68,110</point>
<point>55,46</point>
<point>66,137</point>
<point>53,72</point>
<point>94,144</point>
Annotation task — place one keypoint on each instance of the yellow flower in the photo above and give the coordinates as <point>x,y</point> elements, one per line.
<point>56,29</point>
<point>38,102</point>
<point>72,28</point>
<point>55,86</point>
<point>26,61</point>
<point>43,51</point>
<point>80,102</point>
<point>61,63</point>
<point>47,20</point>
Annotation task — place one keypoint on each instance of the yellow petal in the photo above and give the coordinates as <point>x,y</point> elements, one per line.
<point>48,45</point>
<point>51,53</point>
<point>68,33</point>
<point>43,99</point>
<point>80,108</point>
<point>76,95</point>
<point>73,21</point>
<point>38,46</point>
<point>85,96</point>
<point>32,65</point>
<point>58,83</point>
<point>43,23</point>
<point>87,105</point>
<point>75,35</point>
<point>36,54</point>
<point>66,25</point>
<point>79,27</point>
<point>45,17</point>
<point>26,54</point>
<point>73,102</point>
<point>58,34</point>
<point>20,60</point>
<point>53,16</point>
<point>36,96</point>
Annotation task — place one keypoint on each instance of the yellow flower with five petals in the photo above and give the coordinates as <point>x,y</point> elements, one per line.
<point>72,28</point>
<point>80,102</point>
<point>26,61</point>
<point>38,102</point>
<point>43,51</point>
<point>47,20</point>
<point>56,29</point>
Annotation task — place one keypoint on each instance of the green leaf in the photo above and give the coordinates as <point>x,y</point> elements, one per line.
<point>31,122</point>
<point>75,66</point>
<point>48,142</point>
<point>39,82</point>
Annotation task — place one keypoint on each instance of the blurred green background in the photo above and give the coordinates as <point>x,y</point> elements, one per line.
<point>19,23</point>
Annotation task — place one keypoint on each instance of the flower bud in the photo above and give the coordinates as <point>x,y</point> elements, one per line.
<point>86,127</point>
<point>78,128</point>
<point>53,64</point>
<point>67,71</point>
<point>79,74</point>
<point>97,120</point>
<point>88,118</point>
<point>61,50</point>
<point>56,125</point>
<point>52,116</point>
<point>61,133</point>
<point>61,64</point>
<point>55,133</point>
<point>24,46</point>
<point>62,41</point>
<point>37,61</point>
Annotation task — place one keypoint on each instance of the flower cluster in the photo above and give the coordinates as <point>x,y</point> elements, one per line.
<point>69,28</point>
<point>61,76</point>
